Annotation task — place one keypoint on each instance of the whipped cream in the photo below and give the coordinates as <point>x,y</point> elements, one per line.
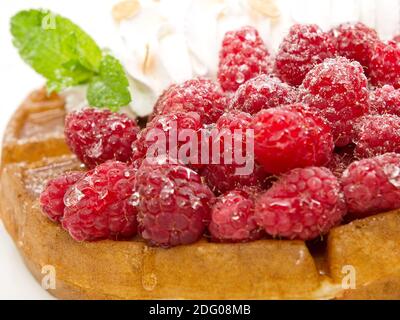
<point>160,42</point>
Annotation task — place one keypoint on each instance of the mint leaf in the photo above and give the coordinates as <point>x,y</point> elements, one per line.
<point>66,56</point>
<point>111,87</point>
<point>55,47</point>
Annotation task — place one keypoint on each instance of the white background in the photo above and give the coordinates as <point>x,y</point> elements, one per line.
<point>17,79</point>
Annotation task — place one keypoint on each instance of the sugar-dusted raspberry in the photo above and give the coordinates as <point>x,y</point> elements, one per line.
<point>337,88</point>
<point>262,92</point>
<point>232,218</point>
<point>342,158</point>
<point>224,177</point>
<point>355,41</point>
<point>52,198</point>
<point>160,138</point>
<point>100,206</point>
<point>174,204</point>
<point>243,56</point>
<point>385,64</point>
<point>304,47</point>
<point>372,185</point>
<point>96,136</point>
<point>290,137</point>
<point>227,175</point>
<point>377,134</point>
<point>303,204</point>
<point>196,95</point>
<point>385,100</point>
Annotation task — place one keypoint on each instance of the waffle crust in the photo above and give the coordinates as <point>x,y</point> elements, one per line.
<point>34,151</point>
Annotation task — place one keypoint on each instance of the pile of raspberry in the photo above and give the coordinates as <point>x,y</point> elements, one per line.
<point>313,132</point>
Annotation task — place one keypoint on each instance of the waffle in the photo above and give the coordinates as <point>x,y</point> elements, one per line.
<point>34,151</point>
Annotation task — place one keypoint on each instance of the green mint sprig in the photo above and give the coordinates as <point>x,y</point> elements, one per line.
<point>66,56</point>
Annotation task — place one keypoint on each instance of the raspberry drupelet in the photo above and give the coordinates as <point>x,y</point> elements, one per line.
<point>196,95</point>
<point>377,134</point>
<point>303,204</point>
<point>372,185</point>
<point>97,136</point>
<point>385,64</point>
<point>224,176</point>
<point>337,88</point>
<point>385,100</point>
<point>52,197</point>
<point>243,56</point>
<point>304,47</point>
<point>289,137</point>
<point>232,218</point>
<point>174,204</point>
<point>355,41</point>
<point>262,92</point>
<point>99,206</point>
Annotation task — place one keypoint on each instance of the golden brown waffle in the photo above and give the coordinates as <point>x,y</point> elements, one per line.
<point>34,151</point>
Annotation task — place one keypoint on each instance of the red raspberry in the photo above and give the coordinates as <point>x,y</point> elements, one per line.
<point>355,41</point>
<point>52,198</point>
<point>385,100</point>
<point>232,218</point>
<point>377,134</point>
<point>100,205</point>
<point>170,126</point>
<point>304,47</point>
<point>174,205</point>
<point>385,64</point>
<point>372,185</point>
<point>396,38</point>
<point>96,136</point>
<point>243,56</point>
<point>303,204</point>
<point>263,92</point>
<point>197,95</point>
<point>223,176</point>
<point>290,137</point>
<point>337,88</point>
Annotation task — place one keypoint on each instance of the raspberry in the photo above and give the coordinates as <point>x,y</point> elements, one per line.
<point>262,92</point>
<point>372,185</point>
<point>96,136</point>
<point>396,38</point>
<point>170,126</point>
<point>304,47</point>
<point>174,206</point>
<point>197,95</point>
<point>234,120</point>
<point>355,42</point>
<point>290,137</point>
<point>232,218</point>
<point>385,100</point>
<point>385,64</point>
<point>243,56</point>
<point>99,206</point>
<point>223,176</point>
<point>337,88</point>
<point>52,198</point>
<point>303,204</point>
<point>377,134</point>
<point>341,159</point>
